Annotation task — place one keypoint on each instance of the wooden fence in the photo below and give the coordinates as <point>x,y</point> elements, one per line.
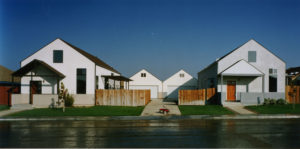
<point>290,92</point>
<point>122,97</point>
<point>195,97</point>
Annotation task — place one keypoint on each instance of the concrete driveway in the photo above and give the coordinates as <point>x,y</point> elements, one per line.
<point>152,109</point>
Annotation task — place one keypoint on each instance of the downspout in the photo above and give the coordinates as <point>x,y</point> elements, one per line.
<point>221,89</point>
<point>95,85</point>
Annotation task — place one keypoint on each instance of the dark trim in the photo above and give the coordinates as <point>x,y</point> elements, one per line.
<point>118,78</point>
<point>33,64</point>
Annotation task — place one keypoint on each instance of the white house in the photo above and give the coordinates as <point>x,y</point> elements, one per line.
<point>59,61</point>
<point>145,80</point>
<point>179,80</point>
<point>248,74</point>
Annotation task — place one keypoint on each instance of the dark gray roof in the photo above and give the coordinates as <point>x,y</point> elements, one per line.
<point>95,59</point>
<point>33,64</point>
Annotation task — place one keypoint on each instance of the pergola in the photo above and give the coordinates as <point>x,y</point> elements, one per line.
<point>117,78</point>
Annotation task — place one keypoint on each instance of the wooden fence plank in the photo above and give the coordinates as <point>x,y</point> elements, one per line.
<point>122,97</point>
<point>195,97</point>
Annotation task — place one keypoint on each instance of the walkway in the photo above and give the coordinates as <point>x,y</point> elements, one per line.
<point>237,107</point>
<point>16,108</point>
<point>152,109</point>
<point>11,111</point>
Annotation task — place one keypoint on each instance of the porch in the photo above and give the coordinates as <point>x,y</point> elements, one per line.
<point>241,82</point>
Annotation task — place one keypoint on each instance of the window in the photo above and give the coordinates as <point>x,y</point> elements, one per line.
<point>57,56</point>
<point>272,71</point>
<point>272,84</point>
<point>81,81</point>
<point>251,56</point>
<point>181,75</point>
<point>143,74</point>
<point>272,80</point>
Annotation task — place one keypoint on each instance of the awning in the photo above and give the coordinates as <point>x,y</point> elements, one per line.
<point>241,68</point>
<point>34,64</point>
<point>117,78</point>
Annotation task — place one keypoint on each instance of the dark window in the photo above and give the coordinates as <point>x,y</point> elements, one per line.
<point>57,56</point>
<point>143,74</point>
<point>272,84</point>
<point>251,56</point>
<point>81,81</point>
<point>181,75</point>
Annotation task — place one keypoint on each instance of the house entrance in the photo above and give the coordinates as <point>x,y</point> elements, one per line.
<point>35,88</point>
<point>231,90</point>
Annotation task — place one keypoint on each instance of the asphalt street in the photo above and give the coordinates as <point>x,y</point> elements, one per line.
<point>282,133</point>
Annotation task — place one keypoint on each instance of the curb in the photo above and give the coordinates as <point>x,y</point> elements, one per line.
<point>170,117</point>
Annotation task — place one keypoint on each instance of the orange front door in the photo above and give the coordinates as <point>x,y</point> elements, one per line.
<point>231,90</point>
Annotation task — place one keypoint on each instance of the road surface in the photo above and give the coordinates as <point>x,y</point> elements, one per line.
<point>283,133</point>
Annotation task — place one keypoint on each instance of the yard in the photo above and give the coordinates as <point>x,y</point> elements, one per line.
<point>275,109</point>
<point>204,110</point>
<point>82,111</point>
<point>3,107</point>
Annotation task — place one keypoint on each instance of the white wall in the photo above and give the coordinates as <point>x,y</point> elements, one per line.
<point>150,80</point>
<point>206,74</point>
<point>100,72</point>
<point>175,80</point>
<point>71,61</point>
<point>264,61</point>
<point>49,84</point>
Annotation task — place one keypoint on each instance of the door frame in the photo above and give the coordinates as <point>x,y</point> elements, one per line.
<point>234,80</point>
<point>30,90</point>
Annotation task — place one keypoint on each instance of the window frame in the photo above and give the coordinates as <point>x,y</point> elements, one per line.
<point>251,59</point>
<point>77,79</point>
<point>143,75</point>
<point>56,60</point>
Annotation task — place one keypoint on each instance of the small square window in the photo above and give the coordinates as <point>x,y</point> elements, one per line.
<point>251,56</point>
<point>272,71</point>
<point>143,74</point>
<point>57,56</point>
<point>181,75</point>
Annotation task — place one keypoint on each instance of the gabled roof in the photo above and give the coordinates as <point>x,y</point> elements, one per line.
<point>95,59</point>
<point>241,68</point>
<point>147,72</point>
<point>237,49</point>
<point>178,72</point>
<point>33,64</point>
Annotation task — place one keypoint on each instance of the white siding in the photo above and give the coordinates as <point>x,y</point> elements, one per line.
<point>175,81</point>
<point>149,80</point>
<point>71,61</point>
<point>264,60</point>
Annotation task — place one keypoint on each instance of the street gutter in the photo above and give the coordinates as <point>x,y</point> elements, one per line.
<point>170,117</point>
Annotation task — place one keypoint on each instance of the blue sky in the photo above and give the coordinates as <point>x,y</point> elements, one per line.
<point>162,36</point>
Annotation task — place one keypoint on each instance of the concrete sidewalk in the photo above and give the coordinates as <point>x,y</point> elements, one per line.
<point>237,107</point>
<point>152,109</point>
<point>11,111</point>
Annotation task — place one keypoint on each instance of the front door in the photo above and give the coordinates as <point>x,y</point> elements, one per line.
<point>231,89</point>
<point>35,88</point>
